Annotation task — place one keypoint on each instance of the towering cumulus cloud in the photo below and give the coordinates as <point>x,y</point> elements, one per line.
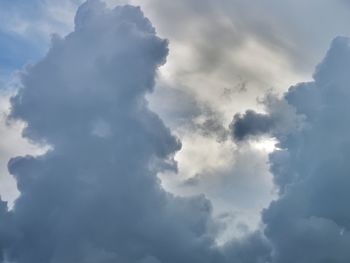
<point>310,222</point>
<point>95,196</point>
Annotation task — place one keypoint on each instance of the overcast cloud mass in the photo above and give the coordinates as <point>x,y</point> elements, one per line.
<point>174,131</point>
<point>95,196</point>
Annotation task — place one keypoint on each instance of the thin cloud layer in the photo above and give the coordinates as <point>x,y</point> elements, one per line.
<point>95,197</point>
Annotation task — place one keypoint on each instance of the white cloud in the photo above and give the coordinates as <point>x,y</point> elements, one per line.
<point>12,144</point>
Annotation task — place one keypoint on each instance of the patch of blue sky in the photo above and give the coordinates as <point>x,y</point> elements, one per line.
<point>16,52</point>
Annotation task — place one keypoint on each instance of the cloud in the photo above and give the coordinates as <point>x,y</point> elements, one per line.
<point>250,124</point>
<point>235,188</point>
<point>215,54</point>
<point>95,197</point>
<point>252,249</point>
<point>223,55</point>
<point>309,222</point>
<point>26,19</point>
<point>12,144</point>
<point>217,50</point>
<point>280,119</point>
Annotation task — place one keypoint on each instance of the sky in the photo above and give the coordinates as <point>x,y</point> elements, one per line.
<point>174,131</point>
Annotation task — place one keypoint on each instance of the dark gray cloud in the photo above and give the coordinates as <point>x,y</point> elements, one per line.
<point>95,197</point>
<point>254,248</point>
<point>280,119</point>
<point>310,221</point>
<point>251,123</point>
